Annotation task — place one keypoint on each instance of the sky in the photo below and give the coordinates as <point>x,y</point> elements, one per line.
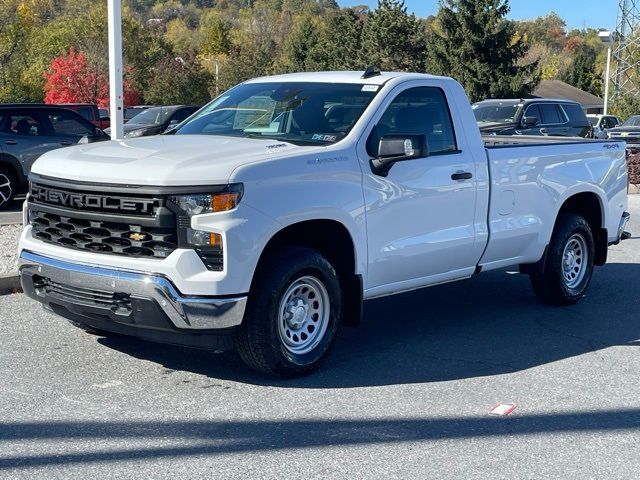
<point>577,13</point>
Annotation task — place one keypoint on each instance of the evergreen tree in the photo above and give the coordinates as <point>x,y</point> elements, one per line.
<point>582,73</point>
<point>392,39</point>
<point>298,46</point>
<point>473,42</point>
<point>339,43</point>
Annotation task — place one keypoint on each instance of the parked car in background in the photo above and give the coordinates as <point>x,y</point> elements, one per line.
<point>536,116</point>
<point>130,112</point>
<point>104,115</point>
<point>89,111</point>
<point>155,120</point>
<point>629,132</point>
<point>601,124</point>
<point>29,130</point>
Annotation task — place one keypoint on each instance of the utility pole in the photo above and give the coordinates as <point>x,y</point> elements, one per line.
<point>116,106</point>
<point>626,78</point>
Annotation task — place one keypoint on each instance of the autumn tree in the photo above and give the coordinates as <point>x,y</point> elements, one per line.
<point>473,42</point>
<point>71,80</point>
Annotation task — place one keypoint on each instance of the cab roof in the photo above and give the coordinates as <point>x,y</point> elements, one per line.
<point>354,77</point>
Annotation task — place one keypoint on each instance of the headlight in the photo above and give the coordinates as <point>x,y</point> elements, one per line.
<point>134,133</point>
<point>201,203</point>
<point>208,245</point>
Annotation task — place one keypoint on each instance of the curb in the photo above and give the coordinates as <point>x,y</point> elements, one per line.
<point>10,284</point>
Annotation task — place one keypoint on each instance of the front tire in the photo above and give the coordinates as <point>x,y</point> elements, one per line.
<point>567,271</point>
<point>293,314</point>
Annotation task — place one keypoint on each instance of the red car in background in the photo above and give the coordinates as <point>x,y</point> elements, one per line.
<point>89,111</point>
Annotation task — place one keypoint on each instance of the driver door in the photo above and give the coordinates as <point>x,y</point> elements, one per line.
<point>421,216</point>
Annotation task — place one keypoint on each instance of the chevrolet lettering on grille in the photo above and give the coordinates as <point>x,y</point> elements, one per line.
<point>88,201</point>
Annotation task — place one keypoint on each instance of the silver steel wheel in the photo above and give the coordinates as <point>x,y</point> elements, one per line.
<point>303,315</point>
<point>5,189</point>
<point>574,261</point>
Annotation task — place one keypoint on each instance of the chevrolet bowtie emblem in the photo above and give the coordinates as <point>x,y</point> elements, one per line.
<point>137,237</point>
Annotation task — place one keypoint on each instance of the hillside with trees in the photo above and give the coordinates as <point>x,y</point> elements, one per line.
<point>185,51</point>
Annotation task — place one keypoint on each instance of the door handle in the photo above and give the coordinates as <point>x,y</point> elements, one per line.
<point>11,142</point>
<point>65,144</point>
<point>461,175</point>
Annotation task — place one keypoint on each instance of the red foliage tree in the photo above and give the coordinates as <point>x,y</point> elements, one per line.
<point>71,80</point>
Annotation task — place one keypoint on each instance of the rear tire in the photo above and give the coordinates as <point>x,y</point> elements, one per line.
<point>568,267</point>
<point>293,314</point>
<point>8,187</point>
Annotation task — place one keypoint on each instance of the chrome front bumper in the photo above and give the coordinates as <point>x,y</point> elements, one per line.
<point>125,297</point>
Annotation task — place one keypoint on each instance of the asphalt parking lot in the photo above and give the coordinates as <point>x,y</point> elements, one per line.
<point>406,395</point>
<point>12,213</point>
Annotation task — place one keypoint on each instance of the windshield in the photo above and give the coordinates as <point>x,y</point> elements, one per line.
<point>495,111</point>
<point>153,116</point>
<point>298,112</point>
<point>632,121</point>
<point>593,120</point>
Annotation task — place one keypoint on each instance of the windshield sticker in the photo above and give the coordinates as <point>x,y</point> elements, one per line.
<point>370,88</point>
<point>324,138</point>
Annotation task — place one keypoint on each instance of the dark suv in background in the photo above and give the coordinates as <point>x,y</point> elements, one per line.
<point>536,116</point>
<point>29,130</point>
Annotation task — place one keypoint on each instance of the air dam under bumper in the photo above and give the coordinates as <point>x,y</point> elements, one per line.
<point>126,302</point>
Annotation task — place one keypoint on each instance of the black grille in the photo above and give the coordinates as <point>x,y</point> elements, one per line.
<point>118,303</point>
<point>103,236</point>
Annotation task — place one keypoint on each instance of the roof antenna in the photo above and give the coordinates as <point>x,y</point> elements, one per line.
<point>371,71</point>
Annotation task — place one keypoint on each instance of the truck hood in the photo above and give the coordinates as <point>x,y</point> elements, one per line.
<point>161,160</point>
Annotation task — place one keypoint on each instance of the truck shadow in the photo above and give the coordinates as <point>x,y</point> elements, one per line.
<point>489,325</point>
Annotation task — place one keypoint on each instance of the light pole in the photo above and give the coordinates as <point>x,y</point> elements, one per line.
<point>114,15</point>
<point>605,36</point>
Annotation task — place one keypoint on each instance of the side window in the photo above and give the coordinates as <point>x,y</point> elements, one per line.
<point>533,111</point>
<point>578,117</point>
<point>68,124</point>
<point>550,114</point>
<point>24,125</point>
<point>417,111</point>
<point>181,115</point>
<point>86,112</point>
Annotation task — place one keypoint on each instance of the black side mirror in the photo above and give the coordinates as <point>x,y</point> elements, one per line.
<point>529,122</point>
<point>398,148</point>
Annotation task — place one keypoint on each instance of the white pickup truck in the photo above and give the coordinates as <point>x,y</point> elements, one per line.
<point>266,218</point>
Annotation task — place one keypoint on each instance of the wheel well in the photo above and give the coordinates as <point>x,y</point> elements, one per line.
<point>334,242</point>
<point>587,205</point>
